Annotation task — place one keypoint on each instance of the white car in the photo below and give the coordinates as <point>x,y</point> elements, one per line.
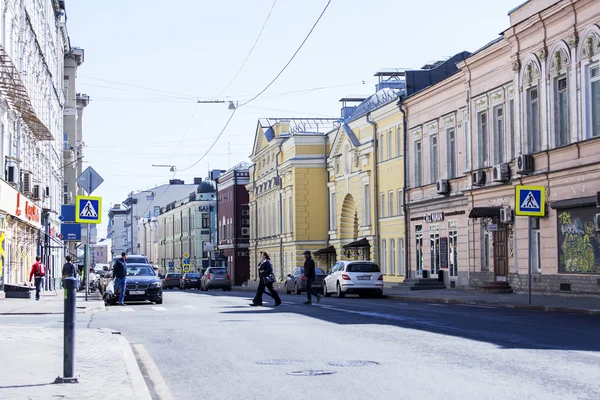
<point>359,277</point>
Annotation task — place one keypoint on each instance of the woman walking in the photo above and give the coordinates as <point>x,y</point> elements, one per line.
<point>266,280</point>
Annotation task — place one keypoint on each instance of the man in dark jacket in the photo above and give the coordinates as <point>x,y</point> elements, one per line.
<point>120,275</point>
<point>309,273</point>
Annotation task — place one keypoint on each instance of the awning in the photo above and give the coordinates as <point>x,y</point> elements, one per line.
<point>574,203</point>
<point>485,212</point>
<point>325,251</point>
<point>358,244</point>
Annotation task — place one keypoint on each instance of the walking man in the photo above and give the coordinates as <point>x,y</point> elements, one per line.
<point>309,273</point>
<point>39,271</point>
<point>120,275</point>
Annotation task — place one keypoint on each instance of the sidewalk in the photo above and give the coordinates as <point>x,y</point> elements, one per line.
<point>513,300</point>
<point>33,358</point>
<point>50,303</point>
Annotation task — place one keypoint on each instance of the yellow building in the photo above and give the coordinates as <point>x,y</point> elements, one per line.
<point>366,204</point>
<point>288,196</point>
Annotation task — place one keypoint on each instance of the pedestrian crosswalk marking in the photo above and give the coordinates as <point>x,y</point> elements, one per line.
<point>159,309</point>
<point>125,309</point>
<point>188,307</point>
<point>530,202</point>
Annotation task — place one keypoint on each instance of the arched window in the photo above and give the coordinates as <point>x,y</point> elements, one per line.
<point>533,105</point>
<point>589,49</point>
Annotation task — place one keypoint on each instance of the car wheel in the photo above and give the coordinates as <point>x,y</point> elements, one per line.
<point>325,292</point>
<point>287,290</point>
<point>298,291</point>
<point>158,301</point>
<point>340,294</point>
<point>224,289</point>
<point>378,295</point>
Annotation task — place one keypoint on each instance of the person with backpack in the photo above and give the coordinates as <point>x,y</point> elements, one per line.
<point>39,271</point>
<point>69,270</point>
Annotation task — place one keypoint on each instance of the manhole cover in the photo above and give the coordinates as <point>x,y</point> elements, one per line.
<point>353,363</point>
<point>311,372</point>
<point>278,362</point>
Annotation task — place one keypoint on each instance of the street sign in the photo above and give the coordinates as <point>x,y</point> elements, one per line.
<point>530,201</point>
<point>186,268</point>
<point>171,264</point>
<point>67,213</point>
<point>89,180</point>
<point>88,210</point>
<point>70,232</point>
<point>186,255</point>
<point>186,261</point>
<point>492,227</point>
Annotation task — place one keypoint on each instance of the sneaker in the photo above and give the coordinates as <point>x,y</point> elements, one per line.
<point>318,299</point>
<point>307,302</point>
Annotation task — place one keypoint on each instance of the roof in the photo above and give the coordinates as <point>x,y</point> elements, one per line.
<point>207,186</point>
<point>391,72</point>
<point>379,98</point>
<point>351,135</point>
<point>243,166</point>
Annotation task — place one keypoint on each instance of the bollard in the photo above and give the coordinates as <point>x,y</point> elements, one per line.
<point>70,321</point>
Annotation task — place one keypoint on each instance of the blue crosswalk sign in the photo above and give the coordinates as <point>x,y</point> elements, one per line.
<point>88,210</point>
<point>530,201</point>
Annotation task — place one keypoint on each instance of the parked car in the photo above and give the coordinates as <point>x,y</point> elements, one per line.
<point>189,280</point>
<point>296,281</point>
<point>142,284</point>
<point>215,278</point>
<point>172,280</point>
<point>356,277</point>
<point>132,259</point>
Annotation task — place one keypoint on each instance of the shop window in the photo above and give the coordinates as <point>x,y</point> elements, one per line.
<point>578,243</point>
<point>434,243</point>
<point>453,253</point>
<point>485,248</point>
<point>419,249</point>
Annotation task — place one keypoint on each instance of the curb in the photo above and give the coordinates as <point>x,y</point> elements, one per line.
<point>133,370</point>
<point>500,305</point>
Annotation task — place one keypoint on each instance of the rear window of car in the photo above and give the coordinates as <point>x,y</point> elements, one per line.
<point>217,271</point>
<point>359,267</point>
<point>192,275</point>
<point>174,275</point>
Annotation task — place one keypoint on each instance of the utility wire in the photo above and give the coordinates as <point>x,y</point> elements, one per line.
<point>184,133</point>
<point>250,52</point>
<point>265,89</point>
<point>135,86</point>
<point>291,59</point>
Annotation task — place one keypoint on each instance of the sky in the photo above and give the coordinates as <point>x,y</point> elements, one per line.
<point>148,62</point>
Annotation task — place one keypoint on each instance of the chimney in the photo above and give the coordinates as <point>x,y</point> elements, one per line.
<point>176,182</point>
<point>197,181</point>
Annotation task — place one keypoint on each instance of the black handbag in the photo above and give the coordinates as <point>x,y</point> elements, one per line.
<point>269,279</point>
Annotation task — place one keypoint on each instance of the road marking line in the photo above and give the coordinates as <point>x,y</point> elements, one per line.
<point>159,309</point>
<point>189,307</point>
<point>152,373</point>
<point>127,309</point>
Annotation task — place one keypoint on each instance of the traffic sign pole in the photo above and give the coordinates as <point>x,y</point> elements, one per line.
<point>530,263</point>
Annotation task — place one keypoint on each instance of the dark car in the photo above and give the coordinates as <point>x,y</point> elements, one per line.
<point>172,280</point>
<point>296,281</point>
<point>190,280</point>
<point>142,284</point>
<point>215,278</point>
<point>132,259</point>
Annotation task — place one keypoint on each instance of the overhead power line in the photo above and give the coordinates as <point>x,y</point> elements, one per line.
<point>250,52</point>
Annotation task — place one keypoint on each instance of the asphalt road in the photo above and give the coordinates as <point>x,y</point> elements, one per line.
<point>214,346</point>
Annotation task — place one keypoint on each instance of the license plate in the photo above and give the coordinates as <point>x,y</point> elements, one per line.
<point>364,278</point>
<point>134,292</point>
<point>218,277</point>
<point>194,280</point>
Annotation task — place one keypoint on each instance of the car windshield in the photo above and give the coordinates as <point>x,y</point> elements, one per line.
<point>217,271</point>
<point>139,270</point>
<point>362,267</point>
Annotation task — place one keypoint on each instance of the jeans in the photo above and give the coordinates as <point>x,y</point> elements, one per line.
<point>38,286</point>
<point>120,284</point>
<point>309,289</point>
<point>261,289</point>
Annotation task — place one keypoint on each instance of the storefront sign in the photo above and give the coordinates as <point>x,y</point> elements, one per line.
<point>14,203</point>
<point>434,217</point>
<point>492,227</point>
<point>444,252</point>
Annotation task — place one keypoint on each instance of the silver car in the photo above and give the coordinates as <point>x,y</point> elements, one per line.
<point>215,278</point>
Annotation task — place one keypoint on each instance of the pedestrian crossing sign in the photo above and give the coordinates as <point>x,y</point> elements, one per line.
<point>530,201</point>
<point>88,210</point>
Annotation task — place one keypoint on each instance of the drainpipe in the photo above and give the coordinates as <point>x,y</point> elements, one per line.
<point>280,213</point>
<point>328,195</point>
<point>255,222</point>
<point>405,210</point>
<point>375,182</point>
<point>235,227</point>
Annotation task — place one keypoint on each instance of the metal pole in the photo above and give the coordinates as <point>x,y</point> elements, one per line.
<point>87,263</point>
<point>529,262</point>
<point>69,325</point>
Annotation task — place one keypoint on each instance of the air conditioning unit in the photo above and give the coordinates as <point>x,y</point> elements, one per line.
<point>36,192</point>
<point>597,222</point>
<point>501,173</point>
<point>245,231</point>
<point>443,186</point>
<point>478,178</point>
<point>506,215</point>
<point>524,164</point>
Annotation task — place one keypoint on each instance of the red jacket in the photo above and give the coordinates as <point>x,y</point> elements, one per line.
<point>34,269</point>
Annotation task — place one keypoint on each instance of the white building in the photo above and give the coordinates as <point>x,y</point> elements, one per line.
<point>117,232</point>
<point>33,43</point>
<point>148,236</point>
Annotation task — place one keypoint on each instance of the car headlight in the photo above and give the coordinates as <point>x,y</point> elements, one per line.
<point>155,284</point>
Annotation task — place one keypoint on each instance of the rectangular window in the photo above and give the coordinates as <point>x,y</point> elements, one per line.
<point>561,111</point>
<point>451,138</point>
<point>381,147</point>
<point>333,216</point>
<point>389,143</point>
<point>511,128</point>
<point>418,164</point>
<point>382,206</point>
<point>401,270</point>
<point>499,141</point>
<point>399,150</point>
<point>400,201</point>
<point>291,216</point>
<point>434,159</point>
<point>390,204</point>
<point>205,221</point>
<point>533,120</point>
<point>419,248</point>
<point>453,253</point>
<point>434,243</point>
<point>483,138</point>
<point>383,258</point>
<point>595,100</point>
<point>367,206</point>
<point>392,257</point>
